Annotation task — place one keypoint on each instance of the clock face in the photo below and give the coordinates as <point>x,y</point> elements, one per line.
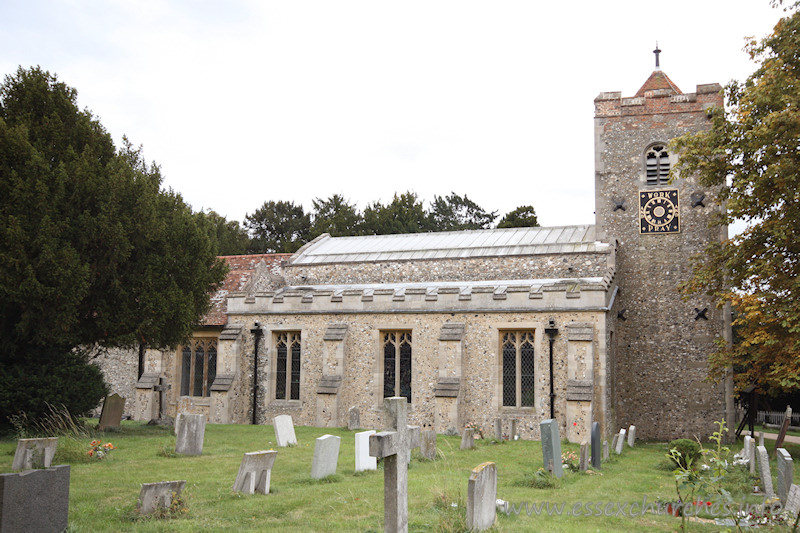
<point>658,211</point>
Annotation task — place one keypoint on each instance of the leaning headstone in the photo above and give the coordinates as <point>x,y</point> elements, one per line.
<point>394,446</point>
<point>785,467</point>
<point>111,415</point>
<point>255,472</point>
<point>605,450</point>
<point>793,500</point>
<point>787,419</point>
<point>353,418</point>
<point>620,442</point>
<point>35,500</point>
<point>427,444</point>
<point>482,497</point>
<point>191,433</point>
<point>551,447</point>
<point>468,439</point>
<point>614,441</point>
<point>596,445</point>
<point>513,434</point>
<point>761,438</point>
<point>764,471</point>
<point>155,496</point>
<point>631,436</point>
<point>364,461</point>
<point>583,465</point>
<point>326,456</point>
<point>284,430</point>
<point>34,453</point>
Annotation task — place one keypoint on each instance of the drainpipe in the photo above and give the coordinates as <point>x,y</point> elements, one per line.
<point>257,332</point>
<point>552,331</point>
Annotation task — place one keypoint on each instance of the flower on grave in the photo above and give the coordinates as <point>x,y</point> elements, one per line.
<point>99,450</point>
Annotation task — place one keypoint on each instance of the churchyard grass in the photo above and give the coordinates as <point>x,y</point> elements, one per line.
<point>103,493</point>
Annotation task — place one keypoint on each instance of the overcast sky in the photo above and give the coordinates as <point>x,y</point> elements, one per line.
<point>246,101</point>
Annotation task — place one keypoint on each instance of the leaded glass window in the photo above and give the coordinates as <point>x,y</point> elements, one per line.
<point>397,364</point>
<point>518,363</point>
<point>657,165</point>
<point>287,367</point>
<point>198,366</point>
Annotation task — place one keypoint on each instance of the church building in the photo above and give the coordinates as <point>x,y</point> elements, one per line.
<point>577,323</point>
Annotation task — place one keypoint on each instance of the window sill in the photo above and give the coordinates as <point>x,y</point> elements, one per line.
<point>286,404</point>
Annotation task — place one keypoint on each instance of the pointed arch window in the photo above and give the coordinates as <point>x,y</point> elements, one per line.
<point>198,367</point>
<point>518,363</point>
<point>287,371</point>
<point>397,364</point>
<point>657,165</point>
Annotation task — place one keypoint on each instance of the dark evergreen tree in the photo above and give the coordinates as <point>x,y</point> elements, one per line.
<point>278,227</point>
<point>336,216</point>
<point>404,214</point>
<point>521,217</point>
<point>454,212</point>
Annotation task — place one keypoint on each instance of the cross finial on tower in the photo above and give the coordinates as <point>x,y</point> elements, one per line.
<point>656,52</point>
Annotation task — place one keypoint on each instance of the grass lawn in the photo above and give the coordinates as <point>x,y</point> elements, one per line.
<point>103,493</point>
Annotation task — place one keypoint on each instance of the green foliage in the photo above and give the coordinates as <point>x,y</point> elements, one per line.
<point>278,227</point>
<point>404,214</point>
<point>540,479</point>
<point>688,452</point>
<point>751,153</point>
<point>336,216</point>
<point>454,212</point>
<point>521,217</point>
<point>231,238</point>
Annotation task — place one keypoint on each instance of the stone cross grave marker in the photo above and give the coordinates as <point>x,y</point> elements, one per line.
<point>468,439</point>
<point>35,500</point>
<point>551,447</point>
<point>364,461</point>
<point>158,495</point>
<point>162,388</point>
<point>394,447</point>
<point>605,450</point>
<point>255,472</point>
<point>284,430</point>
<point>498,429</point>
<point>584,460</point>
<point>111,415</point>
<point>787,420</point>
<point>427,444</point>
<point>620,441</point>
<point>785,466</point>
<point>191,432</point>
<point>764,472</point>
<point>326,456</point>
<point>482,497</point>
<point>793,500</point>
<point>595,439</point>
<point>631,436</point>
<point>34,453</point>
<point>353,418</point>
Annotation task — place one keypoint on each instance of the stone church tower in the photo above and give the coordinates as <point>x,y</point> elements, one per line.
<point>660,342</point>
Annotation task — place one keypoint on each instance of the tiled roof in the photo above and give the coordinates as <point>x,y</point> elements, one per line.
<point>658,80</point>
<point>449,244</point>
<point>241,269</point>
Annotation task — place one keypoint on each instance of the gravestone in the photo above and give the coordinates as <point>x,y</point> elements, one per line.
<point>394,447</point>
<point>326,456</point>
<point>155,496</point>
<point>111,414</point>
<point>631,436</point>
<point>498,429</point>
<point>583,465</point>
<point>191,433</point>
<point>427,444</point>
<point>551,447</point>
<point>761,438</point>
<point>620,442</point>
<point>178,418</point>
<point>764,471</point>
<point>513,434</point>
<point>596,453</point>
<point>468,439</point>
<point>614,441</point>
<point>353,418</point>
<point>482,497</point>
<point>284,430</point>
<point>605,450</point>
<point>749,444</point>
<point>35,500</point>
<point>255,472</point>
<point>793,500</point>
<point>787,419</point>
<point>34,453</point>
<point>785,466</point>
<point>364,461</point>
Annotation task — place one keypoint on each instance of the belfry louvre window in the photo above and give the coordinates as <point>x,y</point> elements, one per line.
<point>657,165</point>
<point>517,350</point>
<point>397,364</point>
<point>287,366</point>
<point>198,367</point>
